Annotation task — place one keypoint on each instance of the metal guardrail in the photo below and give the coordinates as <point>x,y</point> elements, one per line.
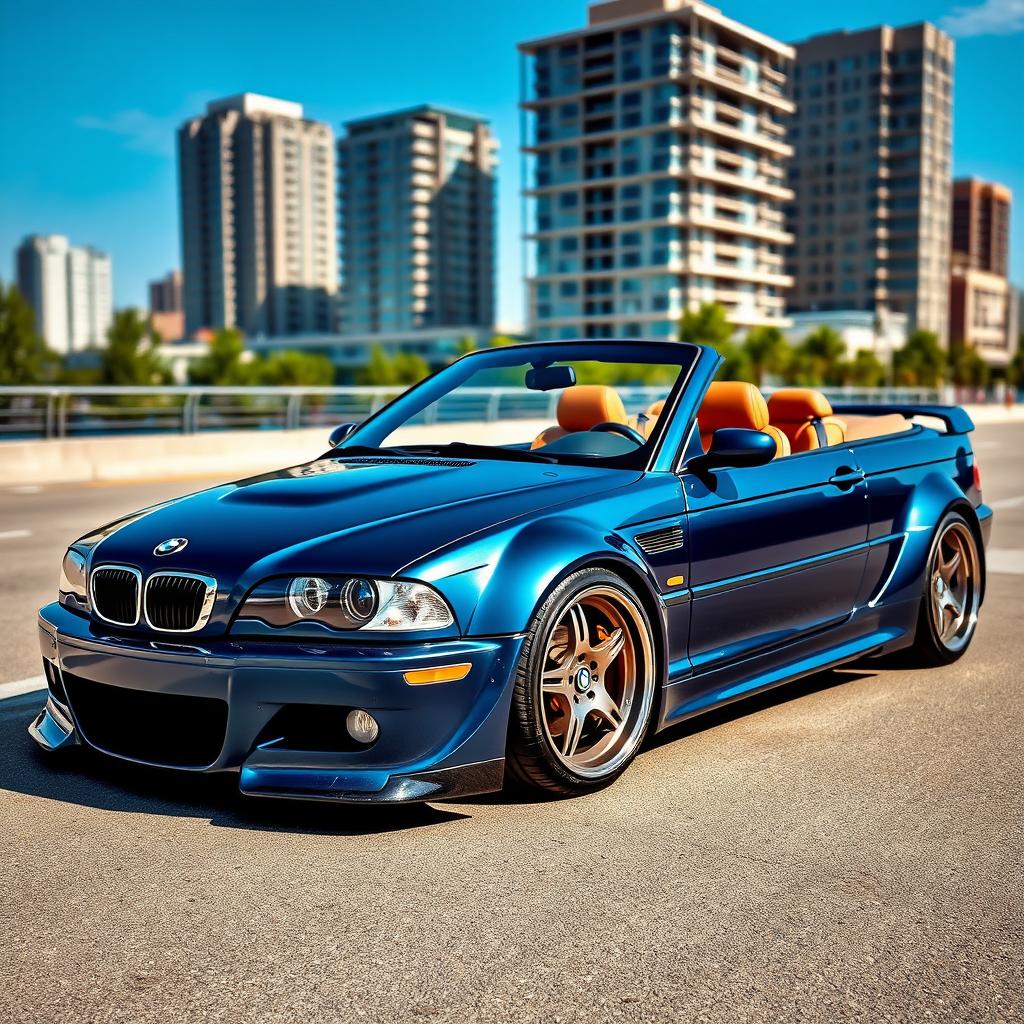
<point>56,412</point>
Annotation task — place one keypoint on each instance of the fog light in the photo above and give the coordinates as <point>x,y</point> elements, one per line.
<point>362,726</point>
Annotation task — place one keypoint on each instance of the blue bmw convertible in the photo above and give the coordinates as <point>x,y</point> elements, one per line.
<point>436,608</point>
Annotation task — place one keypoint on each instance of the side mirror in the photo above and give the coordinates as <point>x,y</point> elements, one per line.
<point>735,448</point>
<point>339,433</point>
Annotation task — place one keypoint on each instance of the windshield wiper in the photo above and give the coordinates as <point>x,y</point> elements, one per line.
<point>481,451</point>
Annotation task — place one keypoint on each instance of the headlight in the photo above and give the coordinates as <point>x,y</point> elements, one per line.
<point>348,603</point>
<point>71,590</point>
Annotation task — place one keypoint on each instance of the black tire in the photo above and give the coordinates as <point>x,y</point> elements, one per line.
<point>533,761</point>
<point>930,647</point>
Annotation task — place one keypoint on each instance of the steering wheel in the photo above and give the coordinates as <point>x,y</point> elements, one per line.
<point>621,429</point>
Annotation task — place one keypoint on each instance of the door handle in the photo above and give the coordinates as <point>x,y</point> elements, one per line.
<point>844,478</point>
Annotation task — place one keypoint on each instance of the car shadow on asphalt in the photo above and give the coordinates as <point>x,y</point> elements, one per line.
<point>91,780</point>
<point>738,709</point>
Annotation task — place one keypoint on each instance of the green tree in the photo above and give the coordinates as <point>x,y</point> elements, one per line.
<point>130,357</point>
<point>735,363</point>
<point>767,353</point>
<point>818,360</point>
<point>409,368</point>
<point>224,364</point>
<point>709,325</point>
<point>967,367</point>
<point>921,362</point>
<point>290,368</point>
<point>384,370</point>
<point>465,345</point>
<point>865,370</point>
<point>24,356</point>
<point>501,340</point>
<point>379,369</point>
<point>821,355</point>
<point>706,325</point>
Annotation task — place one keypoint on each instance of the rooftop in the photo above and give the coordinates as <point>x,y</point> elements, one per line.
<point>424,108</point>
<point>253,103</point>
<point>623,13</point>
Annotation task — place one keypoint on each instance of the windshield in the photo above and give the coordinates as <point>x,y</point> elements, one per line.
<point>552,402</point>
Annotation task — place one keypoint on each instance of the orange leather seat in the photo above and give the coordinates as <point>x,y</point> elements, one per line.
<point>582,407</point>
<point>799,412</point>
<point>737,404</point>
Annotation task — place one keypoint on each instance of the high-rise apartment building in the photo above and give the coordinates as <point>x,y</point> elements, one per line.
<point>982,303</point>
<point>417,221</point>
<point>872,136</point>
<point>166,293</point>
<point>71,290</point>
<point>258,220</point>
<point>167,306</point>
<point>981,224</point>
<point>657,147</point>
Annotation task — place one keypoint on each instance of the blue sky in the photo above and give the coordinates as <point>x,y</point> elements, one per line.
<point>92,93</point>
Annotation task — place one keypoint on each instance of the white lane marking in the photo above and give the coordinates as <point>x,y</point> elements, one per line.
<point>21,686</point>
<point>986,445</point>
<point>1007,502</point>
<point>35,488</point>
<point>14,534</point>
<point>1006,560</point>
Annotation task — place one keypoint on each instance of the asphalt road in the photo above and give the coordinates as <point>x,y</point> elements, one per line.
<point>847,848</point>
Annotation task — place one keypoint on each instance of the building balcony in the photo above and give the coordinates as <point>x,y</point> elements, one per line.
<point>758,184</point>
<point>702,123</point>
<point>735,226</point>
<point>538,102</point>
<point>757,274</point>
<point>773,74</point>
<point>766,124</point>
<point>648,316</point>
<point>767,93</point>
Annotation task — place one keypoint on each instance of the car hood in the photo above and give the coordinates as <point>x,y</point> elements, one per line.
<point>365,516</point>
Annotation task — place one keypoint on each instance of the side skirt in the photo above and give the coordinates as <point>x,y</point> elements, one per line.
<point>870,631</point>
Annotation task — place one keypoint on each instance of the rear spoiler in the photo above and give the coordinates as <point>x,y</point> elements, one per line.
<point>956,419</point>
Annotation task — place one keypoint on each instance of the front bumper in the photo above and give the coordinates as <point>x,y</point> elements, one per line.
<point>220,707</point>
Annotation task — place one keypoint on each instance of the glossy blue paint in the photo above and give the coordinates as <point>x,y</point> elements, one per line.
<point>780,569</point>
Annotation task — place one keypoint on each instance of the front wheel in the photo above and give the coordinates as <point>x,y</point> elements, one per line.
<point>952,594</point>
<point>584,689</point>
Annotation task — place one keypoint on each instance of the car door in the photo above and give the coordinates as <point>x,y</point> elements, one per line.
<point>776,552</point>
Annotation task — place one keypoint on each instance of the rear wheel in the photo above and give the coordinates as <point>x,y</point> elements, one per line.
<point>584,688</point>
<point>952,594</point>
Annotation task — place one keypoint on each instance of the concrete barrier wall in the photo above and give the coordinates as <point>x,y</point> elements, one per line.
<point>226,455</point>
<point>232,454</point>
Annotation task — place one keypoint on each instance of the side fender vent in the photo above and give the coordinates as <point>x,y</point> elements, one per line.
<point>658,541</point>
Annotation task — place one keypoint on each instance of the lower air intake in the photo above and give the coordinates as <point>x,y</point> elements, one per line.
<point>160,728</point>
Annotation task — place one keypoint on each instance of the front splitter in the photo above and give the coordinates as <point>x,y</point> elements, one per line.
<point>373,787</point>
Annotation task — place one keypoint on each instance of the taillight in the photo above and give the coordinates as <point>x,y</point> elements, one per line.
<point>977,476</point>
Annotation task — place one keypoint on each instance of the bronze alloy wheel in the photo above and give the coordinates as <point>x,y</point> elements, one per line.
<point>597,681</point>
<point>954,586</point>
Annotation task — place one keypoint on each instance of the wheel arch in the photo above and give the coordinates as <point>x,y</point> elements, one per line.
<point>970,514</point>
<point>538,558</point>
<point>935,497</point>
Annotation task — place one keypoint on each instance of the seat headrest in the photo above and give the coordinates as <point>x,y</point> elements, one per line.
<point>796,405</point>
<point>732,404</point>
<point>585,405</point>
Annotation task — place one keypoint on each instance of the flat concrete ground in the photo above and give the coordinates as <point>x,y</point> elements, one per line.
<point>846,848</point>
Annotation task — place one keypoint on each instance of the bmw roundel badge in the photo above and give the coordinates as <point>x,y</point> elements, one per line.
<point>171,546</point>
